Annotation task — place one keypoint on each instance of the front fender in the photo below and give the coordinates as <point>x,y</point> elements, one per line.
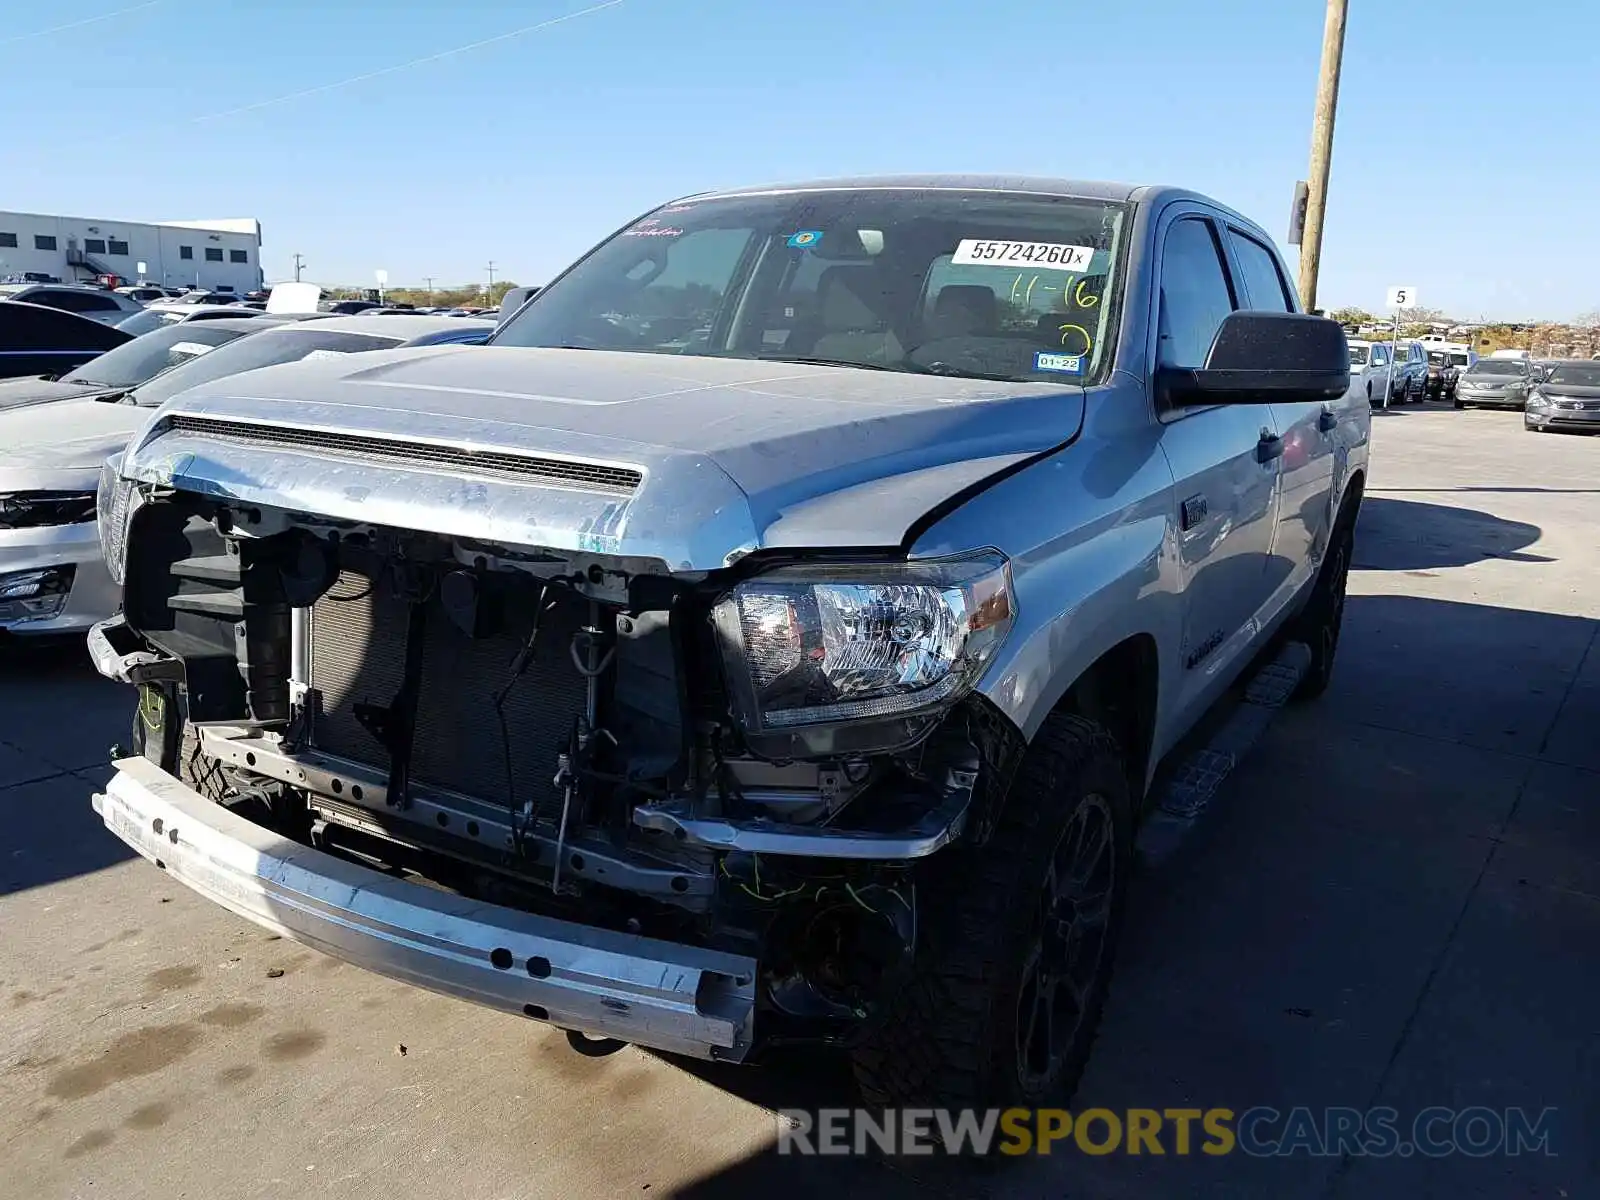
<point>1093,548</point>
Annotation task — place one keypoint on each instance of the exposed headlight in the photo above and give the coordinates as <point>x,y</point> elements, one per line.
<point>811,646</point>
<point>34,510</point>
<point>114,504</point>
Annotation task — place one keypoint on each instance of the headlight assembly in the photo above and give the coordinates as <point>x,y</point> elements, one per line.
<point>114,503</point>
<point>1537,399</point>
<point>810,646</point>
<point>36,510</point>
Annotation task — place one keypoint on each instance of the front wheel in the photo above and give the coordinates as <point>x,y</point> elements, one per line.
<point>1019,935</point>
<point>1322,621</point>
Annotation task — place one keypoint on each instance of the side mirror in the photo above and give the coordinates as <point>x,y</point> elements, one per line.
<point>1265,358</point>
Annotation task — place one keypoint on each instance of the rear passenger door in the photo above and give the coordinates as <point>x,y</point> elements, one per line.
<point>1224,459</point>
<point>1306,469</point>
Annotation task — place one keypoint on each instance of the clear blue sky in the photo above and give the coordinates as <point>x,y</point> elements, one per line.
<point>1464,162</point>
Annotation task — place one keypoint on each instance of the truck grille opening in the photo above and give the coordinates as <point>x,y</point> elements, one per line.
<point>358,647</point>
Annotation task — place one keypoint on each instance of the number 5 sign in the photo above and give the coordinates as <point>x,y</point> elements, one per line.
<point>1402,297</point>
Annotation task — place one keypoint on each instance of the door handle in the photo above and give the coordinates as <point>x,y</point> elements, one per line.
<point>1269,447</point>
<point>1328,421</point>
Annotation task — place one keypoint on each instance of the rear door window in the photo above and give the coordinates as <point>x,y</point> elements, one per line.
<point>1263,282</point>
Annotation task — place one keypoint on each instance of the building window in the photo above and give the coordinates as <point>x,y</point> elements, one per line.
<point>116,247</point>
<point>185,251</point>
<point>239,256</point>
<point>43,241</point>
<point>213,254</point>
<point>94,245</point>
<point>8,241</point>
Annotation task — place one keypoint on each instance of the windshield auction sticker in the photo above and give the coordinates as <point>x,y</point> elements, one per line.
<point>193,349</point>
<point>1050,255</point>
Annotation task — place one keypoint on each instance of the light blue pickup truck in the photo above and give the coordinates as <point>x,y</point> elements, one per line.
<point>771,635</point>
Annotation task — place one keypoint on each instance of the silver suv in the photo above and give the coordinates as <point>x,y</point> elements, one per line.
<point>772,635</point>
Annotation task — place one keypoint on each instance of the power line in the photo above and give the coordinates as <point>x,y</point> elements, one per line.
<point>406,66</point>
<point>38,33</point>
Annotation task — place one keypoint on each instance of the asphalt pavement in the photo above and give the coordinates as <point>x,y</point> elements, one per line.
<point>1396,902</point>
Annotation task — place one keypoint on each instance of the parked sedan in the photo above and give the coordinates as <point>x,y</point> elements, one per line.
<point>37,341</point>
<point>116,371</point>
<point>156,316</point>
<point>95,303</point>
<point>52,578</point>
<point>1497,382</point>
<point>1566,397</point>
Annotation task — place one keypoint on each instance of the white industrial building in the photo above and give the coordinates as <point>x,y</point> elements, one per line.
<point>218,255</point>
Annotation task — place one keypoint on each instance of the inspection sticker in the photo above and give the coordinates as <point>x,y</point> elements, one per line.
<point>192,349</point>
<point>1069,364</point>
<point>806,237</point>
<point>1050,255</point>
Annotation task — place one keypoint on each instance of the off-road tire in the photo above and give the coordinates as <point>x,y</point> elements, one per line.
<point>1319,625</point>
<point>950,1034</point>
<point>162,735</point>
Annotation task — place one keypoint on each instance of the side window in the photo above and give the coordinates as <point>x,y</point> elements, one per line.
<point>1380,356</point>
<point>1195,296</point>
<point>1262,279</point>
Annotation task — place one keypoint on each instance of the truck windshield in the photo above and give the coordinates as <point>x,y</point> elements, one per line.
<point>1358,356</point>
<point>981,284</point>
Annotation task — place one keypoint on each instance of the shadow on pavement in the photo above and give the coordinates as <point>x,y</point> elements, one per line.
<point>1413,535</point>
<point>1329,934</point>
<point>58,720</point>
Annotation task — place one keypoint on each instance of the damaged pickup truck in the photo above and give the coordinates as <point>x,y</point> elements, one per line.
<point>769,637</point>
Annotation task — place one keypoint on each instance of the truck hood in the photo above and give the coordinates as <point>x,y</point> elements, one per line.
<point>62,445</point>
<point>689,461</point>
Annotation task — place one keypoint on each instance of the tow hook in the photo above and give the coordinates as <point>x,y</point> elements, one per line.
<point>593,1047</point>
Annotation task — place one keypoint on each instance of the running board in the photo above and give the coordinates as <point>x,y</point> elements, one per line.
<point>1189,791</point>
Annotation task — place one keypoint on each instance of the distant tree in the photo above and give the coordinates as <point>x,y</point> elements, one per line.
<point>1351,316</point>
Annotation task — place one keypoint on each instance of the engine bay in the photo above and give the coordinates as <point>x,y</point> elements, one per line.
<point>550,732</point>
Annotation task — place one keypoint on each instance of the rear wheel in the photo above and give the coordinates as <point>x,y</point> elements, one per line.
<point>1019,935</point>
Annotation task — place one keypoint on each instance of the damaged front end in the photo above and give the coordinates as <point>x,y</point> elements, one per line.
<point>739,773</point>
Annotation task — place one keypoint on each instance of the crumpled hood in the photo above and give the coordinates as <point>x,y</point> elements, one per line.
<point>16,393</point>
<point>729,455</point>
<point>62,444</point>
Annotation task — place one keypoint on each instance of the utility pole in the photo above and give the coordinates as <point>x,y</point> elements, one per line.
<point>1321,150</point>
<point>299,261</point>
<point>490,292</point>
<point>428,279</point>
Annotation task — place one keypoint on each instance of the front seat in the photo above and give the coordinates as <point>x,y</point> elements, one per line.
<point>849,314</point>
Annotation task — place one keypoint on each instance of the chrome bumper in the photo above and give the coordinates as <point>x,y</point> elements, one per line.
<point>658,994</point>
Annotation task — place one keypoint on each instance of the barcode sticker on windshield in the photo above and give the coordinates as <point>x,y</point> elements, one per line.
<point>1051,255</point>
<point>190,348</point>
<point>315,355</point>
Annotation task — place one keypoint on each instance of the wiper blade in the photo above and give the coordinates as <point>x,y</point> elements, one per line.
<point>945,369</point>
<point>827,362</point>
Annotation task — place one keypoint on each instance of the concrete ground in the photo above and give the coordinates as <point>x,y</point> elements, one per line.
<point>1397,902</point>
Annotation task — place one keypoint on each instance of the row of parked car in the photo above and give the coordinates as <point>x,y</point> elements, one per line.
<point>77,389</point>
<point>1552,393</point>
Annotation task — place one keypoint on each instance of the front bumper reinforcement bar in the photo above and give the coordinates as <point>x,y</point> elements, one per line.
<point>654,993</point>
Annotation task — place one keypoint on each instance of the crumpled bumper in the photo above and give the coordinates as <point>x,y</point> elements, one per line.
<point>654,993</point>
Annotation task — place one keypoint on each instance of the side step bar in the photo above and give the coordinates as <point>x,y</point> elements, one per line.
<point>1193,786</point>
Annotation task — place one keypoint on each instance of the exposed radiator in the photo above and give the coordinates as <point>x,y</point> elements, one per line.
<point>358,656</point>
